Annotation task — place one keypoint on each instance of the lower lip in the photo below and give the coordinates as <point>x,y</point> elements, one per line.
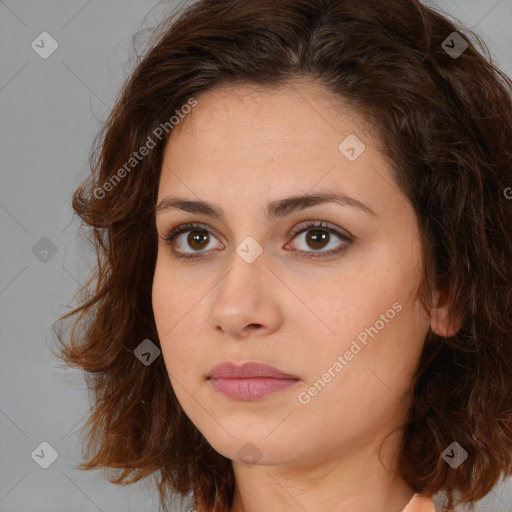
<point>250,388</point>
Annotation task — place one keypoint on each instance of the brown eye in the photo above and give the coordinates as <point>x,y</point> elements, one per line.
<point>197,240</point>
<point>318,239</point>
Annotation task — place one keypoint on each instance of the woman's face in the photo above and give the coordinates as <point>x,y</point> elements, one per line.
<point>337,310</point>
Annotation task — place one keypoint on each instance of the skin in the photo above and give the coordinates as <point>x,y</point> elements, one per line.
<point>241,148</point>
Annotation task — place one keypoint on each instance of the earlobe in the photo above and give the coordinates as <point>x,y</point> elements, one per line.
<point>440,321</point>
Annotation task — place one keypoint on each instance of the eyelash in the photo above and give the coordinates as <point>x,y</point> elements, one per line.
<point>301,228</point>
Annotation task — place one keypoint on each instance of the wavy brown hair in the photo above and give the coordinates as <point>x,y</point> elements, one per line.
<point>445,124</point>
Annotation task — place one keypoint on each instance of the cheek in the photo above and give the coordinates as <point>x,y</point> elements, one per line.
<point>376,308</point>
<point>161,299</point>
<point>175,310</point>
<point>351,302</point>
<point>170,294</point>
<point>166,310</point>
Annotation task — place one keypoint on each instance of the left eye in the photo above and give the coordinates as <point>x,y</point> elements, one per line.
<point>316,235</point>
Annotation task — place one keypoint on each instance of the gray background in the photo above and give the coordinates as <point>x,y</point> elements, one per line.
<point>50,110</point>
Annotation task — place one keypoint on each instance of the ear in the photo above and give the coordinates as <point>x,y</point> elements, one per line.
<point>440,321</point>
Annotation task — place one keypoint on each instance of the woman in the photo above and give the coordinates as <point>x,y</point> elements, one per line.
<point>303,292</point>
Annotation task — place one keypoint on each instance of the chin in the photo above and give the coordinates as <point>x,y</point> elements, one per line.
<point>257,450</point>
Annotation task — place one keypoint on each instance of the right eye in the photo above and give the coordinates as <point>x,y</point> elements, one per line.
<point>198,238</point>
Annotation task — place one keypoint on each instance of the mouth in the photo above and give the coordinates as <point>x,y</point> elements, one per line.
<point>249,381</point>
<point>251,388</point>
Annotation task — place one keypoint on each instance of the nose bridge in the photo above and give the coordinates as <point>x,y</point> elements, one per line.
<point>247,263</point>
<point>249,250</point>
<point>243,295</point>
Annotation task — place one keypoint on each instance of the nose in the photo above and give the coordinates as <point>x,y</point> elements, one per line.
<point>246,300</point>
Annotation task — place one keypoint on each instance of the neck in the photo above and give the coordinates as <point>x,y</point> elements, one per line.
<point>353,481</point>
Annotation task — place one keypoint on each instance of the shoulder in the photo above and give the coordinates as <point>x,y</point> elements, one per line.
<point>422,503</point>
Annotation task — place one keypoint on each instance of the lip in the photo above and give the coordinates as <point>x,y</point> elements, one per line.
<point>249,381</point>
<point>252,369</point>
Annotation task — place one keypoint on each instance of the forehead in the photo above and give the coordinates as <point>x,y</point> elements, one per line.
<point>247,127</point>
<point>295,111</point>
<point>246,144</point>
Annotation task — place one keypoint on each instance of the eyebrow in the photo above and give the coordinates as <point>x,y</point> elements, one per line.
<point>275,209</point>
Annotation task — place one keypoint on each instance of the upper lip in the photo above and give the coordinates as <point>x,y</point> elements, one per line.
<point>247,370</point>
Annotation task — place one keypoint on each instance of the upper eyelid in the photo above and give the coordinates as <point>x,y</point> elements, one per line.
<point>188,226</point>
<point>310,224</point>
<point>298,228</point>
